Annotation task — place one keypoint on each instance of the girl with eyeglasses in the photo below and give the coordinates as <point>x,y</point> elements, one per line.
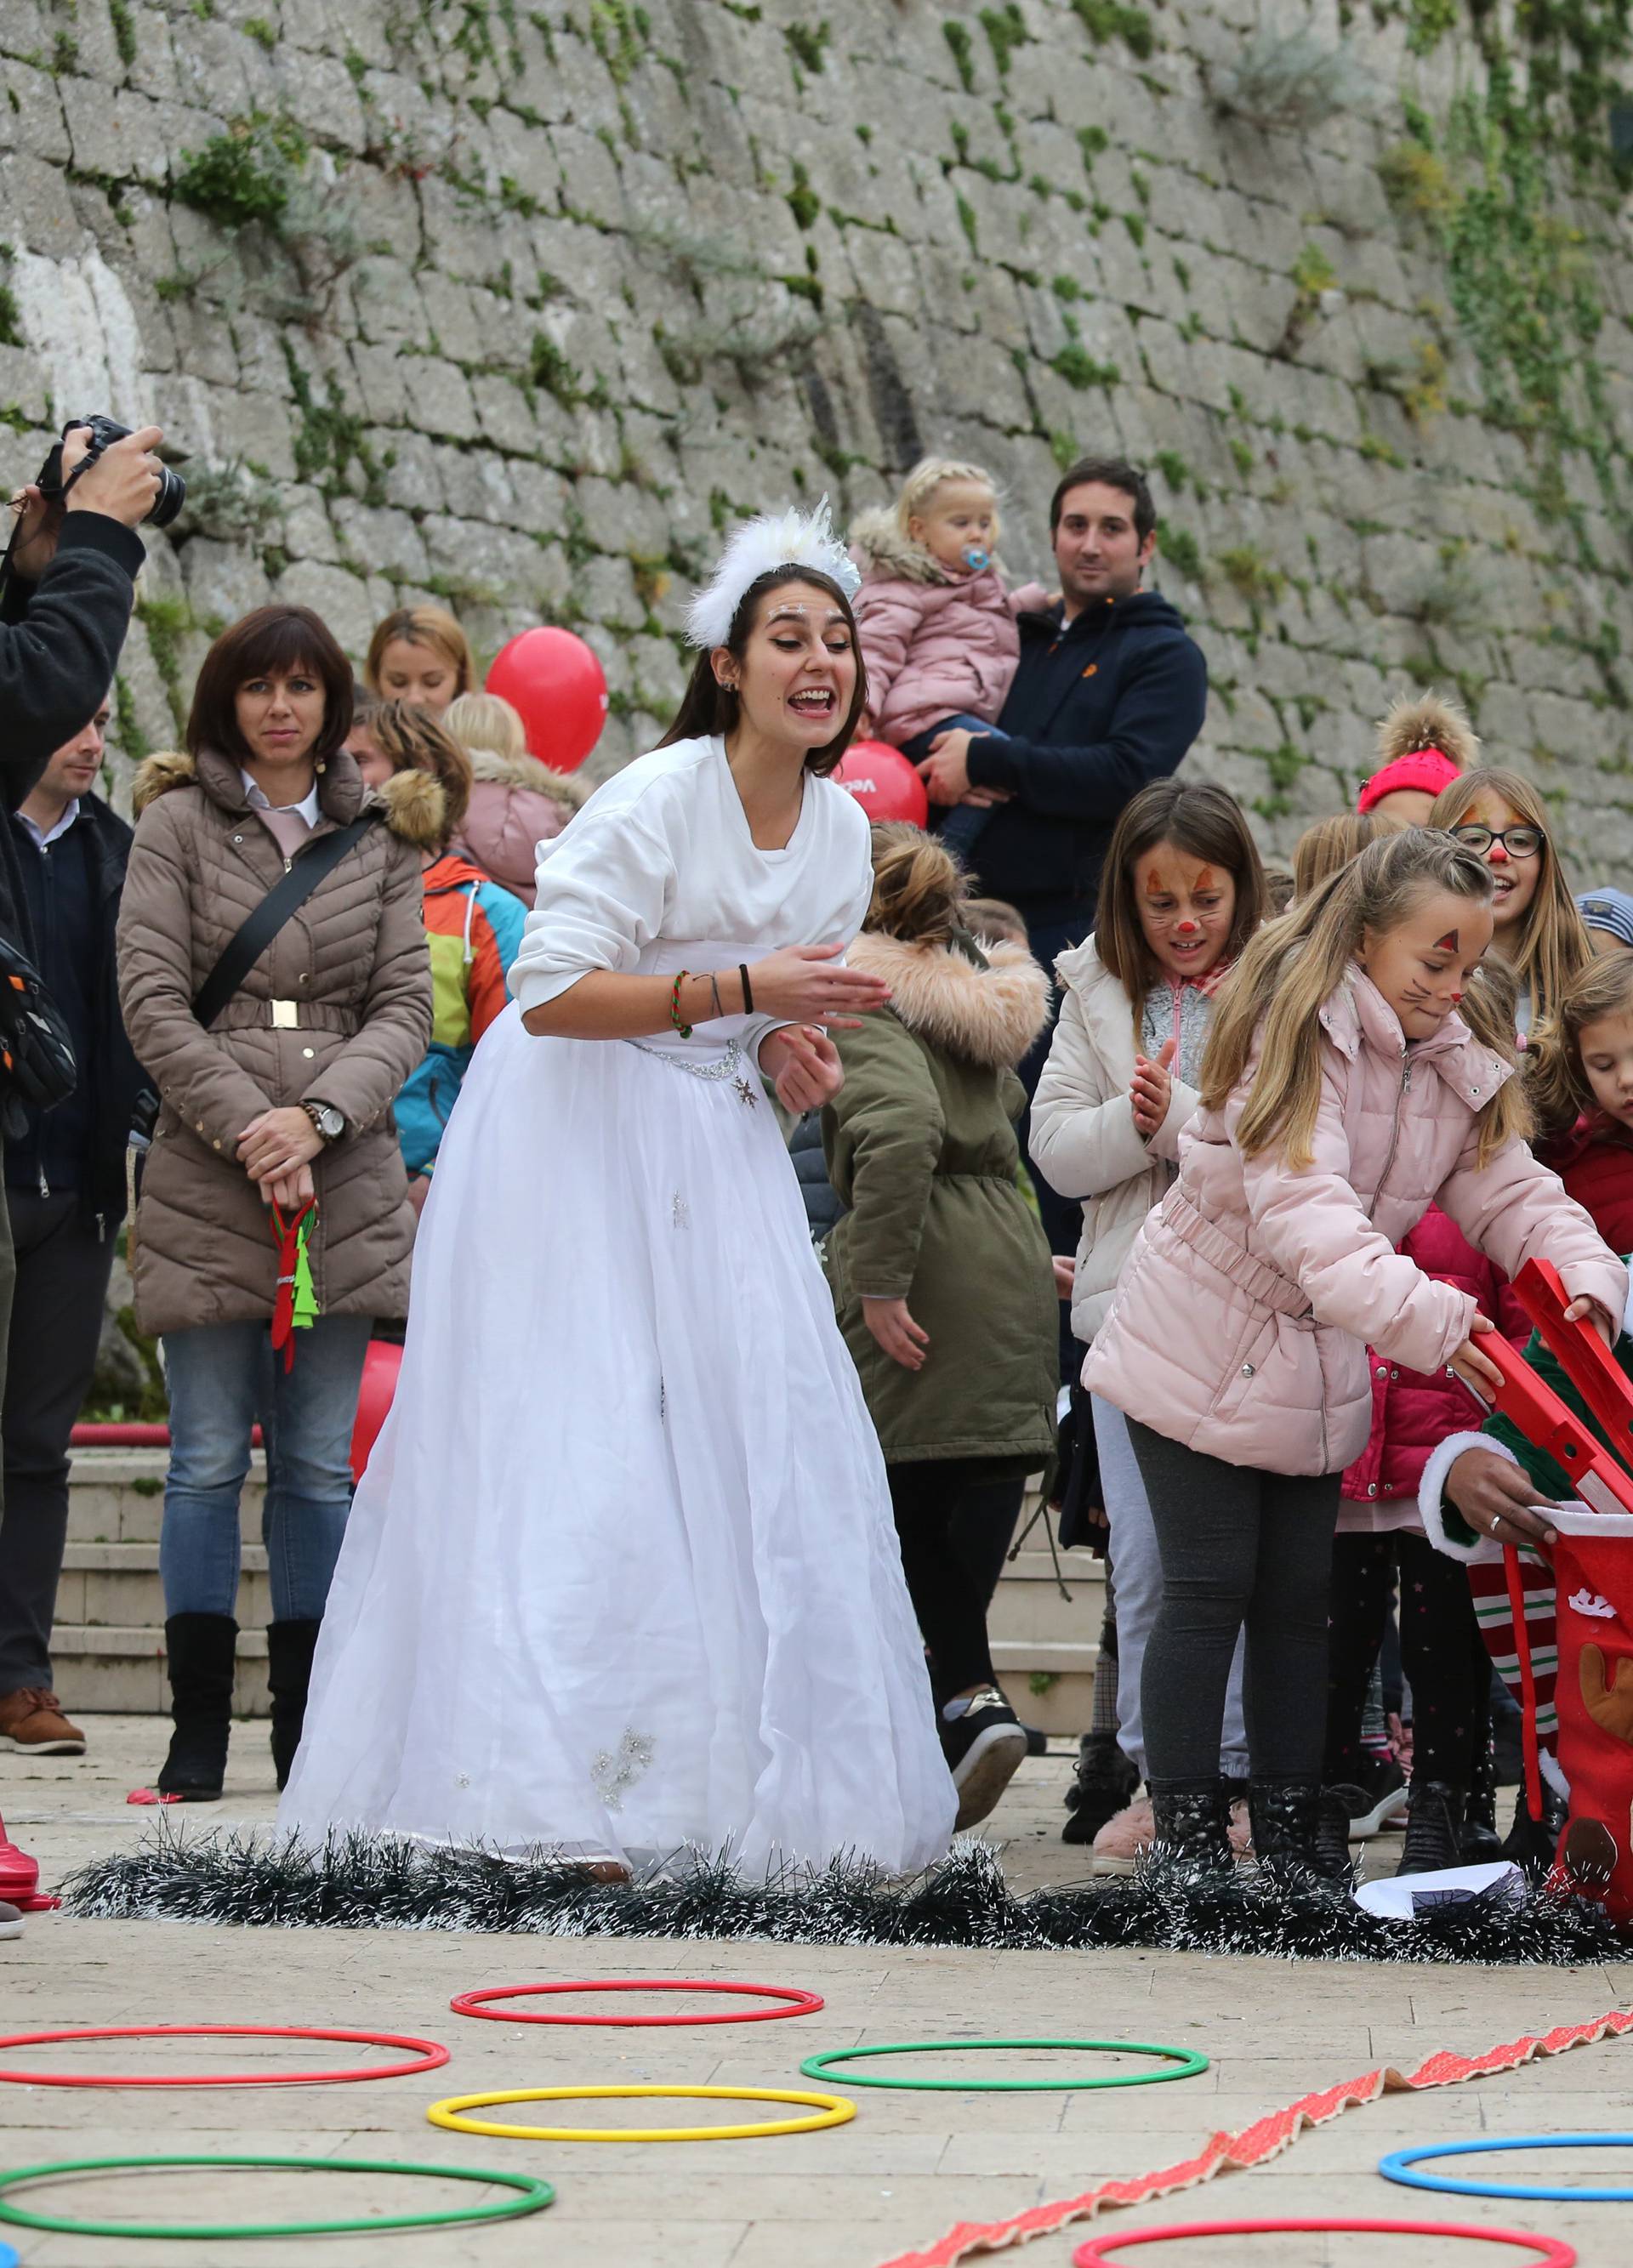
<point>1537,929</point>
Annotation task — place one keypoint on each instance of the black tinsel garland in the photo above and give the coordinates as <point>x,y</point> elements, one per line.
<point>359,1882</point>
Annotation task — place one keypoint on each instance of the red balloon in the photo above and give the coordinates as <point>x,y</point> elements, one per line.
<point>884,782</point>
<point>557,684</point>
<point>380,1366</point>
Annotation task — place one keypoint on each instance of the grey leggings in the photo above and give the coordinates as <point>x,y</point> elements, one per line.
<point>1239,1548</point>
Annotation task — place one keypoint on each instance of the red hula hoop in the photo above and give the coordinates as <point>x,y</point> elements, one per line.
<point>428,2056</point>
<point>1551,2251</point>
<point>799,2003</point>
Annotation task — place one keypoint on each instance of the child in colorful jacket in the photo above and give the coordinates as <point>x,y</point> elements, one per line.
<point>473,928</point>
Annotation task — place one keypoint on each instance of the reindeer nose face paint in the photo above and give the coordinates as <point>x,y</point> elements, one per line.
<point>1185,907</point>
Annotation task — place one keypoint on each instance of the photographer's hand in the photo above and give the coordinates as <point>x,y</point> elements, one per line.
<point>35,545</point>
<point>123,483</point>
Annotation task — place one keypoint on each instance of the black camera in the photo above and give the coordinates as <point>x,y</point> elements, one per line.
<point>171,488</point>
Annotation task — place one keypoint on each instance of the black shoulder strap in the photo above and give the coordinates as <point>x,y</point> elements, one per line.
<point>292,890</point>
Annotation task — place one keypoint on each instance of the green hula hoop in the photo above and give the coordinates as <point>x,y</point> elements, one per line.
<point>1185,2061</point>
<point>533,2196</point>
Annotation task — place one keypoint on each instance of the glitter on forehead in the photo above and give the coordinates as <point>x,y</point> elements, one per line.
<point>796,610</point>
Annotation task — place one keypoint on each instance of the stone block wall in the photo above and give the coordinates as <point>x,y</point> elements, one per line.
<point>515,308</point>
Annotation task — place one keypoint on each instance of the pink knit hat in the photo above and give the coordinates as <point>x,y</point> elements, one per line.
<point>1424,742</point>
<point>1428,769</point>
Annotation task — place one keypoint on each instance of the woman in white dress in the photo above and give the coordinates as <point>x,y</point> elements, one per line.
<point>621,1578</point>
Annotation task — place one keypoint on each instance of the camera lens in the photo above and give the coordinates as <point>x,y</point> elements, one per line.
<point>171,497</point>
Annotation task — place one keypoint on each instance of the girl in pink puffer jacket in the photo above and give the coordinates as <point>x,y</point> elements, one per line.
<point>935,617</point>
<point>1343,1094</point>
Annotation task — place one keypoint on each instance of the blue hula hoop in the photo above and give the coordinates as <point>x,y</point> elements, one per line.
<point>1399,2166</point>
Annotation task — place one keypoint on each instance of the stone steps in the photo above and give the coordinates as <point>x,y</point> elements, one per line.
<point>108,1649</point>
<point>108,1646</point>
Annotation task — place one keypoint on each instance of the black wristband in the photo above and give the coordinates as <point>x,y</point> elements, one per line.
<point>748,991</point>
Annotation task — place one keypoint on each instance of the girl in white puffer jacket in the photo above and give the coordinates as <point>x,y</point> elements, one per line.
<point>1182,892</point>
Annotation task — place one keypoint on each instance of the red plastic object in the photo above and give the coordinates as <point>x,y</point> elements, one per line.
<point>1544,1421</point>
<point>1548,2251</point>
<point>135,1437</point>
<point>380,1366</point>
<point>557,684</point>
<point>1586,1361</point>
<point>882,782</point>
<point>799,2003</point>
<point>428,2056</point>
<point>19,1879</point>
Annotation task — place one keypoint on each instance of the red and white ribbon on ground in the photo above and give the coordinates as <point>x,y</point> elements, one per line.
<point>1267,2138</point>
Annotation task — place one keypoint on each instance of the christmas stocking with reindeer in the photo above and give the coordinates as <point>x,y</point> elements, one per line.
<point>1593,1575</point>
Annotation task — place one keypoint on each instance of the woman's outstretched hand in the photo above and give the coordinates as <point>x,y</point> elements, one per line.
<point>1498,1498</point>
<point>803,1065</point>
<point>802,982</point>
<point>904,1341</point>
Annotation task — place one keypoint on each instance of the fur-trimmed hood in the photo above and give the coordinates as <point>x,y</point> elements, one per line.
<point>879,548</point>
<point>413,802</point>
<point>988,1015</point>
<point>1428,720</point>
<point>569,788</point>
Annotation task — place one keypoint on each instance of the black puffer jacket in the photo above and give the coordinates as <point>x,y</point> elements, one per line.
<point>60,642</point>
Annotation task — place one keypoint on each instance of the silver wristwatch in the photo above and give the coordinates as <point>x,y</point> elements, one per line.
<point>328,1122</point>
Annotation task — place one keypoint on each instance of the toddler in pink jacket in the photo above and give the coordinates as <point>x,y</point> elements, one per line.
<point>935,617</point>
<point>1343,1094</point>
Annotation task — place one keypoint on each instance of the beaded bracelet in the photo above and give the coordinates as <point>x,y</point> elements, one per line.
<point>675,1008</point>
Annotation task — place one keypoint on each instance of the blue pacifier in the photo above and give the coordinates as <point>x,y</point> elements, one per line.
<point>976,557</point>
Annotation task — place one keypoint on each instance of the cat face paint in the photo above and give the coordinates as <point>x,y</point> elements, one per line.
<point>1423,964</point>
<point>1186,908</point>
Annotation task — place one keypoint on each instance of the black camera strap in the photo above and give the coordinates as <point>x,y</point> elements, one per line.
<point>290,892</point>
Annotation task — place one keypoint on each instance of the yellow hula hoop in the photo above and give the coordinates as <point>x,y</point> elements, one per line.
<point>827,2110</point>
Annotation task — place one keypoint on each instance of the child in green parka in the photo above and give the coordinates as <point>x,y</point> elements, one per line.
<point>942,1279</point>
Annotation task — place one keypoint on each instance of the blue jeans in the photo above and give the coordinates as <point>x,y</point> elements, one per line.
<point>958,827</point>
<point>222,1377</point>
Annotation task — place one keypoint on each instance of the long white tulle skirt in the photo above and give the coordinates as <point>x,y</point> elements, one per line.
<point>622,1576</point>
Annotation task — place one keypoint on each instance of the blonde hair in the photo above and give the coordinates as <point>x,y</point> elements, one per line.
<point>422,626</point>
<point>1291,969</point>
<point>1554,943</point>
<point>482,720</point>
<point>413,740</point>
<point>1321,850</point>
<point>1559,1087</point>
<point>918,885</point>
<point>930,473</point>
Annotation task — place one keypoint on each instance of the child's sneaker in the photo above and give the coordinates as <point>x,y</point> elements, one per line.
<point>1377,1799</point>
<point>983,1746</point>
<point>1120,1841</point>
<point>11,1922</point>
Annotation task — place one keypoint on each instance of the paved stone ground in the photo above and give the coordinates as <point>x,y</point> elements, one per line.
<point>907,2168</point>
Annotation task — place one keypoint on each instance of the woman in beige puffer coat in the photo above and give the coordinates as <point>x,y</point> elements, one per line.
<point>286,1098</point>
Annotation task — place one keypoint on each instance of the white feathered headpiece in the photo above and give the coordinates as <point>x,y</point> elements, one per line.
<point>782,539</point>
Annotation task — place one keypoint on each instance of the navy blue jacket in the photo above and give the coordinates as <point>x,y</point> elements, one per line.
<point>1097,712</point>
<point>80,1145</point>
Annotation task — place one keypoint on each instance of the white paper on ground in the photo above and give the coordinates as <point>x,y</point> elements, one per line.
<point>1402,1897</point>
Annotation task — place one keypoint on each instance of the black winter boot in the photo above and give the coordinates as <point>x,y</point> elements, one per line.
<point>1434,1825</point>
<point>1479,1842</point>
<point>1106,1781</point>
<point>289,1647</point>
<point>200,1650</point>
<point>1301,1832</point>
<point>1192,1821</point>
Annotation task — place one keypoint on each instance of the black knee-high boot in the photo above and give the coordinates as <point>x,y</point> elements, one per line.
<point>200,1650</point>
<point>289,1647</point>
